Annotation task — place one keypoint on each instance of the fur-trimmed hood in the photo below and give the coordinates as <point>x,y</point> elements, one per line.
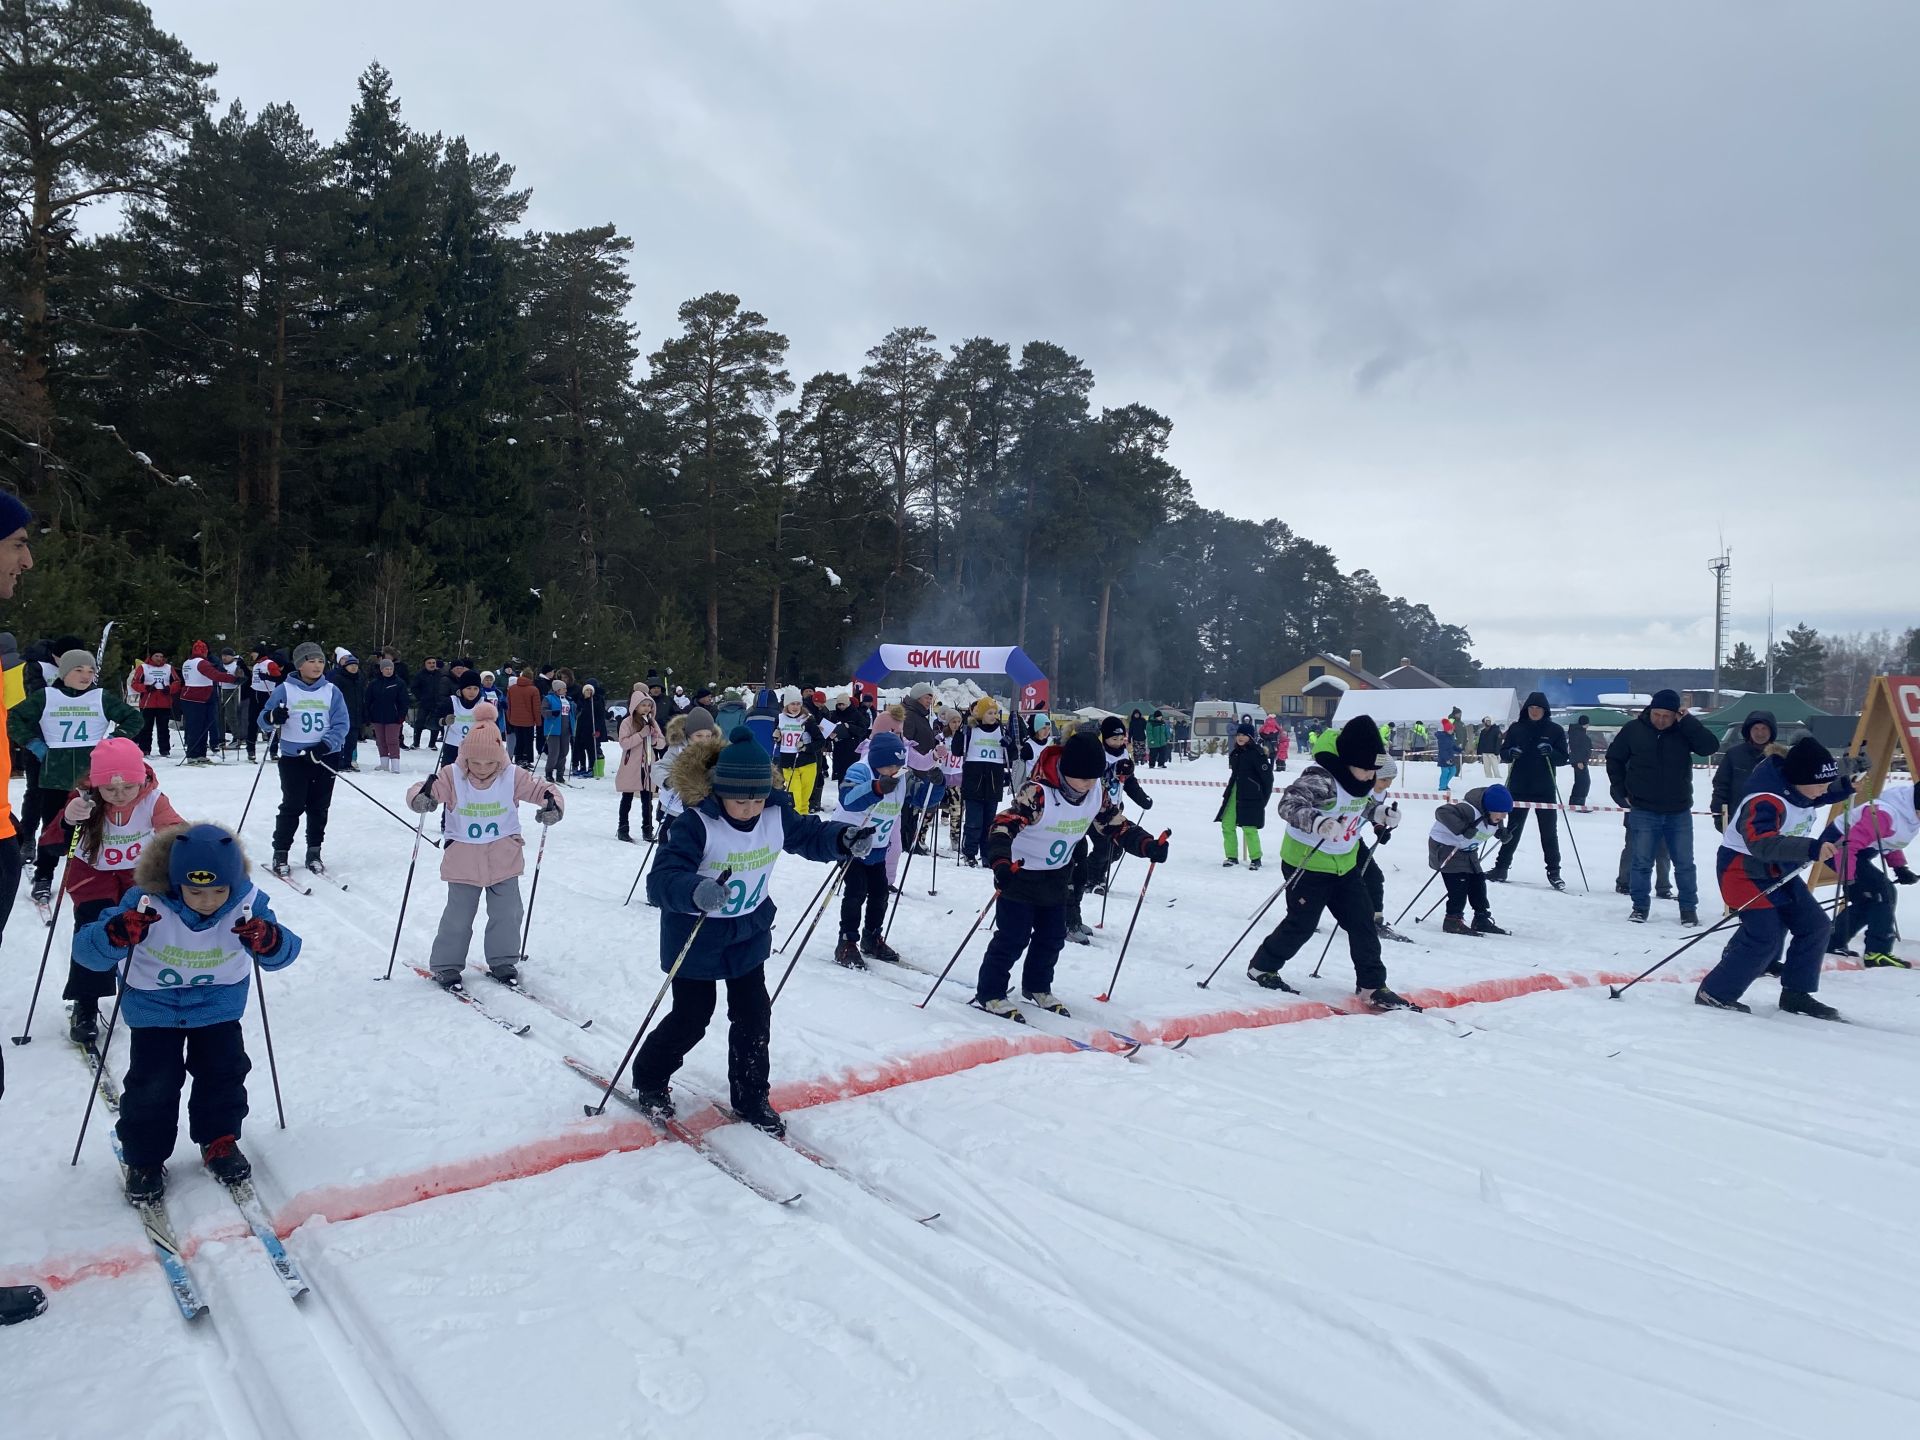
<point>150,872</point>
<point>691,775</point>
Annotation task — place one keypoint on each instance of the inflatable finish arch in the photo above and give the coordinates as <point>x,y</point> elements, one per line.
<point>1008,660</point>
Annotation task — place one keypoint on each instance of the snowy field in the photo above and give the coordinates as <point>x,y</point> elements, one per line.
<point>1530,1212</point>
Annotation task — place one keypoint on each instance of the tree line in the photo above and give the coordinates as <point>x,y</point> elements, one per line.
<point>1830,671</point>
<point>262,385</point>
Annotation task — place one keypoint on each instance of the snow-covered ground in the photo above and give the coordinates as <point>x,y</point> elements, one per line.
<point>1531,1212</point>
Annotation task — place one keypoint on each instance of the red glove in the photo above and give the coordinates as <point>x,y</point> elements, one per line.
<point>128,929</point>
<point>262,937</point>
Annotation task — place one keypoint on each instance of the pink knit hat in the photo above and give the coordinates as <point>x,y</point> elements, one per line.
<point>885,724</point>
<point>483,741</point>
<point>117,759</point>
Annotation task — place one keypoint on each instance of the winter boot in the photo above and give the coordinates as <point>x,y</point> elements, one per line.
<point>1663,894</point>
<point>1269,980</point>
<point>280,866</point>
<point>761,1116</point>
<point>84,1026</point>
<point>1230,862</point>
<point>1385,999</point>
<point>1253,864</point>
<point>1386,931</point>
<point>1498,875</point>
<point>1700,997</point>
<point>1081,934</point>
<point>1483,925</point>
<point>1004,1008</point>
<point>42,891</point>
<point>1556,882</point>
<point>1799,1002</point>
<point>21,1302</point>
<point>847,953</point>
<point>313,862</point>
<point>1620,887</point>
<point>876,946</point>
<point>1881,960</point>
<point>1046,1000</point>
<point>1689,916</point>
<point>1839,947</point>
<point>623,834</point>
<point>146,1184</point>
<point>223,1158</point>
<point>1457,925</point>
<point>1638,917</point>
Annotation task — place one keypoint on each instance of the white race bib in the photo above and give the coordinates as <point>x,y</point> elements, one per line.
<point>792,733</point>
<point>120,845</point>
<point>308,712</point>
<point>1048,843</point>
<point>749,854</point>
<point>73,722</point>
<point>480,816</point>
<point>172,957</point>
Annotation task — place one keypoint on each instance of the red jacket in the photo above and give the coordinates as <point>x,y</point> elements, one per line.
<point>210,676</point>
<point>156,685</point>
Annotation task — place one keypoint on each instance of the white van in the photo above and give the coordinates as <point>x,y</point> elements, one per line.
<point>1215,719</point>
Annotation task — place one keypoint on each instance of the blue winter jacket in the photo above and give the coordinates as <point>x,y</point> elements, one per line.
<point>725,949</point>
<point>333,738</point>
<point>764,719</point>
<point>1449,748</point>
<point>559,712</point>
<point>191,1006</point>
<point>858,795</point>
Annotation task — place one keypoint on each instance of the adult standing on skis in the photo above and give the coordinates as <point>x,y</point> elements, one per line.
<point>1325,810</point>
<point>1533,747</point>
<point>1650,772</point>
<point>17,1302</point>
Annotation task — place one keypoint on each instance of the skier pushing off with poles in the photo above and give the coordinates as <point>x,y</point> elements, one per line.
<point>186,938</point>
<point>1325,810</point>
<point>1453,850</point>
<point>1774,830</point>
<point>872,793</point>
<point>735,822</point>
<point>485,853</point>
<point>311,716</point>
<point>1031,848</point>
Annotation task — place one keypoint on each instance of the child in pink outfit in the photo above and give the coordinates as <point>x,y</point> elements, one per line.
<point>484,852</point>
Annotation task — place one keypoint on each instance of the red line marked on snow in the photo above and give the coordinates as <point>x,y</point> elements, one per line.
<point>618,1135</point>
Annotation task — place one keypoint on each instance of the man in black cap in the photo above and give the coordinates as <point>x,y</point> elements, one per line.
<point>1325,811</point>
<point>1650,771</point>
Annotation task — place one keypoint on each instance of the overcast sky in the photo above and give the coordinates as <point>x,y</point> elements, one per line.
<point>1522,306</point>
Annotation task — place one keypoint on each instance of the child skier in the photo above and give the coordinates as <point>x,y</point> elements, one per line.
<point>734,821</point>
<point>641,743</point>
<point>484,853</point>
<point>1878,830</point>
<point>455,720</point>
<point>1097,857</point>
<point>1775,829</point>
<point>311,716</point>
<point>116,810</point>
<point>798,746</point>
<point>556,727</point>
<point>1243,808</point>
<point>1031,848</point>
<point>59,726</point>
<point>1325,811</point>
<point>188,934</point>
<point>1453,848</point>
<point>872,794</point>
<point>983,776</point>
<point>156,683</point>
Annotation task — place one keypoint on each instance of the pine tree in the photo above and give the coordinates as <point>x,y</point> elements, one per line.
<point>1742,669</point>
<point>1799,661</point>
<point>900,377</point>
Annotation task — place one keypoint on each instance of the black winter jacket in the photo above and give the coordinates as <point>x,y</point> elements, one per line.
<point>387,700</point>
<point>1737,765</point>
<point>1580,744</point>
<point>980,780</point>
<point>1489,740</point>
<point>1649,769</point>
<point>1250,788</point>
<point>1532,777</point>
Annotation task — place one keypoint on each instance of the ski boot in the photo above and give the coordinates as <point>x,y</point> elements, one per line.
<point>1457,925</point>
<point>1689,916</point>
<point>1799,1002</point>
<point>1839,948</point>
<point>1483,925</point>
<point>876,947</point>
<point>448,980</point>
<point>1700,997</point>
<point>1556,882</point>
<point>314,862</point>
<point>654,1103</point>
<point>1002,1007</point>
<point>146,1184</point>
<point>1385,999</point>
<point>762,1116</point>
<point>1881,960</point>
<point>1498,875</point>
<point>507,972</point>
<point>280,866</point>
<point>223,1159</point>
<point>1046,1000</point>
<point>83,1028</point>
<point>1252,865</point>
<point>847,953</point>
<point>1269,980</point>
<point>42,891</point>
<point>21,1302</point>
<point>1080,934</point>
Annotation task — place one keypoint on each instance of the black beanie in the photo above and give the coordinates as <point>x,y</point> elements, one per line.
<point>742,770</point>
<point>1359,743</point>
<point>1665,700</point>
<point>1810,763</point>
<point>1082,758</point>
<point>1111,726</point>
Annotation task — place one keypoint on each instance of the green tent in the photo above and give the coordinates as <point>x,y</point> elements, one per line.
<point>1790,712</point>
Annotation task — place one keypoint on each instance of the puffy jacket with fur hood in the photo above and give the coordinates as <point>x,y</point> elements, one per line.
<point>725,949</point>
<point>191,1006</point>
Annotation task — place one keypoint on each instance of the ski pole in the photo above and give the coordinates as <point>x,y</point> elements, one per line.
<point>1416,900</point>
<point>887,929</point>
<point>1112,875</point>
<point>659,995</point>
<point>826,880</point>
<point>1616,991</point>
<point>1128,938</point>
<point>1427,914</point>
<point>643,867</point>
<point>259,769</point>
<point>267,1030</point>
<point>106,1043</point>
<point>1268,905</point>
<point>833,886</point>
<point>1568,819</point>
<point>991,900</point>
<point>25,1037</point>
<point>539,855</point>
<point>1323,952</point>
<point>933,885</point>
<point>315,758</point>
<point>413,860</point>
